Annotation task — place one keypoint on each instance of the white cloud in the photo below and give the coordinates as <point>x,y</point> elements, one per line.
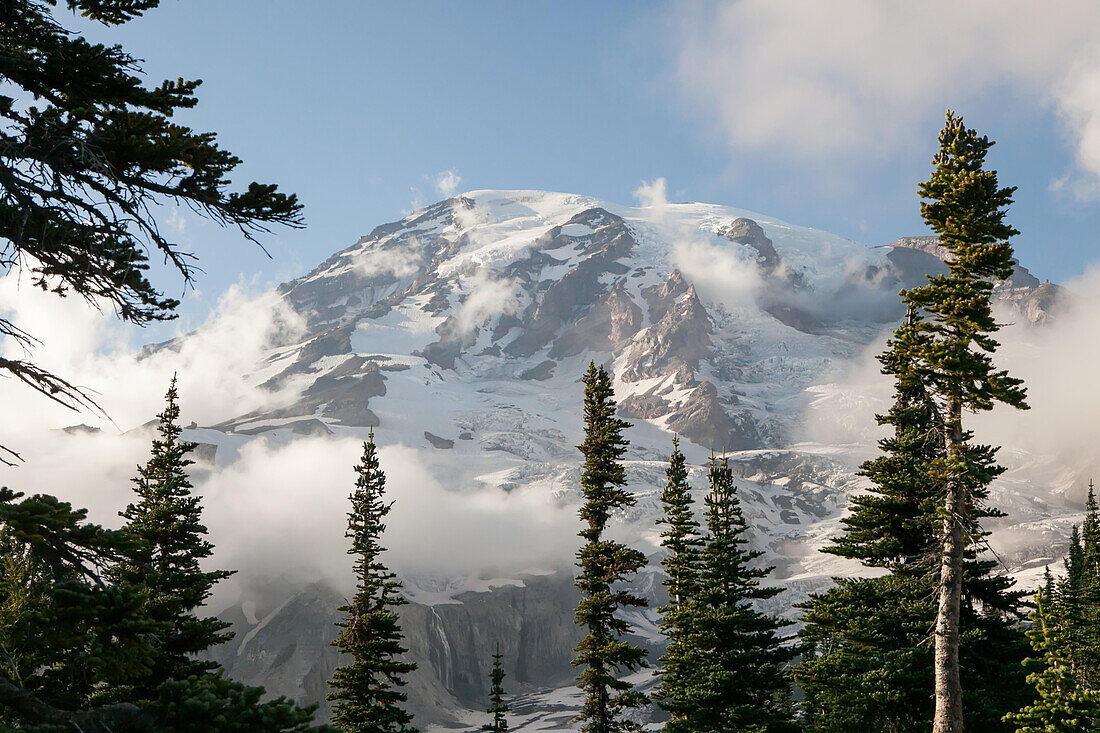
<point>488,296</point>
<point>90,348</point>
<point>864,77</point>
<point>653,194</point>
<point>447,182</point>
<point>721,274</point>
<point>1057,362</point>
<point>400,261</point>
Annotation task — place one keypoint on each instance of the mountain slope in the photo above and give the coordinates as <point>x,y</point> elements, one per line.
<point>462,331</point>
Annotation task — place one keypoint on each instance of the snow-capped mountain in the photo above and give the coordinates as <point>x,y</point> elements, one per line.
<point>462,331</point>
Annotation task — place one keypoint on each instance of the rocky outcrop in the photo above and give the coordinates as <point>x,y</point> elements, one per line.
<point>283,641</point>
<point>604,241</point>
<point>677,341</point>
<point>748,232</point>
<point>660,297</point>
<point>608,326</point>
<point>1022,295</point>
<point>701,419</point>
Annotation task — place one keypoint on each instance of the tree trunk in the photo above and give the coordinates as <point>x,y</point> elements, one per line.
<point>948,684</point>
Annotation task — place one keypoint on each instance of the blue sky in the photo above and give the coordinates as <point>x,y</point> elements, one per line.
<point>820,114</point>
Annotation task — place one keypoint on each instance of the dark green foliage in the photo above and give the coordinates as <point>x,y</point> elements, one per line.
<point>65,632</point>
<point>1064,704</point>
<point>212,703</point>
<point>741,685</point>
<point>498,708</point>
<point>964,205</point>
<point>88,156</point>
<point>680,619</point>
<point>1077,597</point>
<point>894,524</point>
<point>604,564</point>
<point>165,525</point>
<point>367,689</point>
<point>98,627</point>
<point>867,663</point>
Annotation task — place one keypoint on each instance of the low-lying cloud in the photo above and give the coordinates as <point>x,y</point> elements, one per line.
<point>1057,362</point>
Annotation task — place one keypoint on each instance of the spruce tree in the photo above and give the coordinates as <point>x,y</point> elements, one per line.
<point>165,524</point>
<point>680,620</point>
<point>742,675</point>
<point>367,689</point>
<point>498,708</point>
<point>603,655</point>
<point>964,205</point>
<point>1063,705</point>
<point>73,646</point>
<point>867,665</point>
<point>1088,658</point>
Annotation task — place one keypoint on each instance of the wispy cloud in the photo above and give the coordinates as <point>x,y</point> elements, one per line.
<point>848,78</point>
<point>447,182</point>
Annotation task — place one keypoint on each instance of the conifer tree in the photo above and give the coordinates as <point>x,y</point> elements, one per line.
<point>744,685</point>
<point>169,537</point>
<point>1064,705</point>
<point>1089,657</point>
<point>73,646</point>
<point>367,689</point>
<point>680,620</point>
<point>604,565</point>
<point>89,152</point>
<point>498,708</point>
<point>867,665</point>
<point>964,205</point>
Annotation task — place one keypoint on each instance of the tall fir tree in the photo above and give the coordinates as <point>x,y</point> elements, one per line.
<point>742,678</point>
<point>498,707</point>
<point>964,205</point>
<point>170,543</point>
<point>866,665</point>
<point>680,618</point>
<point>367,689</point>
<point>1063,704</point>
<point>1089,656</point>
<point>603,655</point>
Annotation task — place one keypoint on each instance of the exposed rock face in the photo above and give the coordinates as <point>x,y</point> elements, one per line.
<point>660,297</point>
<point>747,231</point>
<point>580,287</point>
<point>284,643</point>
<point>680,339</point>
<point>701,419</point>
<point>438,442</point>
<point>608,326</point>
<point>1022,294</point>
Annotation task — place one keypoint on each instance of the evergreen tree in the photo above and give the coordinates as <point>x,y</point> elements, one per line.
<point>88,153</point>
<point>866,665</point>
<point>680,621</point>
<point>964,205</point>
<point>169,544</point>
<point>744,685</point>
<point>1089,656</point>
<point>1063,704</point>
<point>367,689</point>
<point>64,631</point>
<point>70,641</point>
<point>498,708</point>
<point>604,565</point>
